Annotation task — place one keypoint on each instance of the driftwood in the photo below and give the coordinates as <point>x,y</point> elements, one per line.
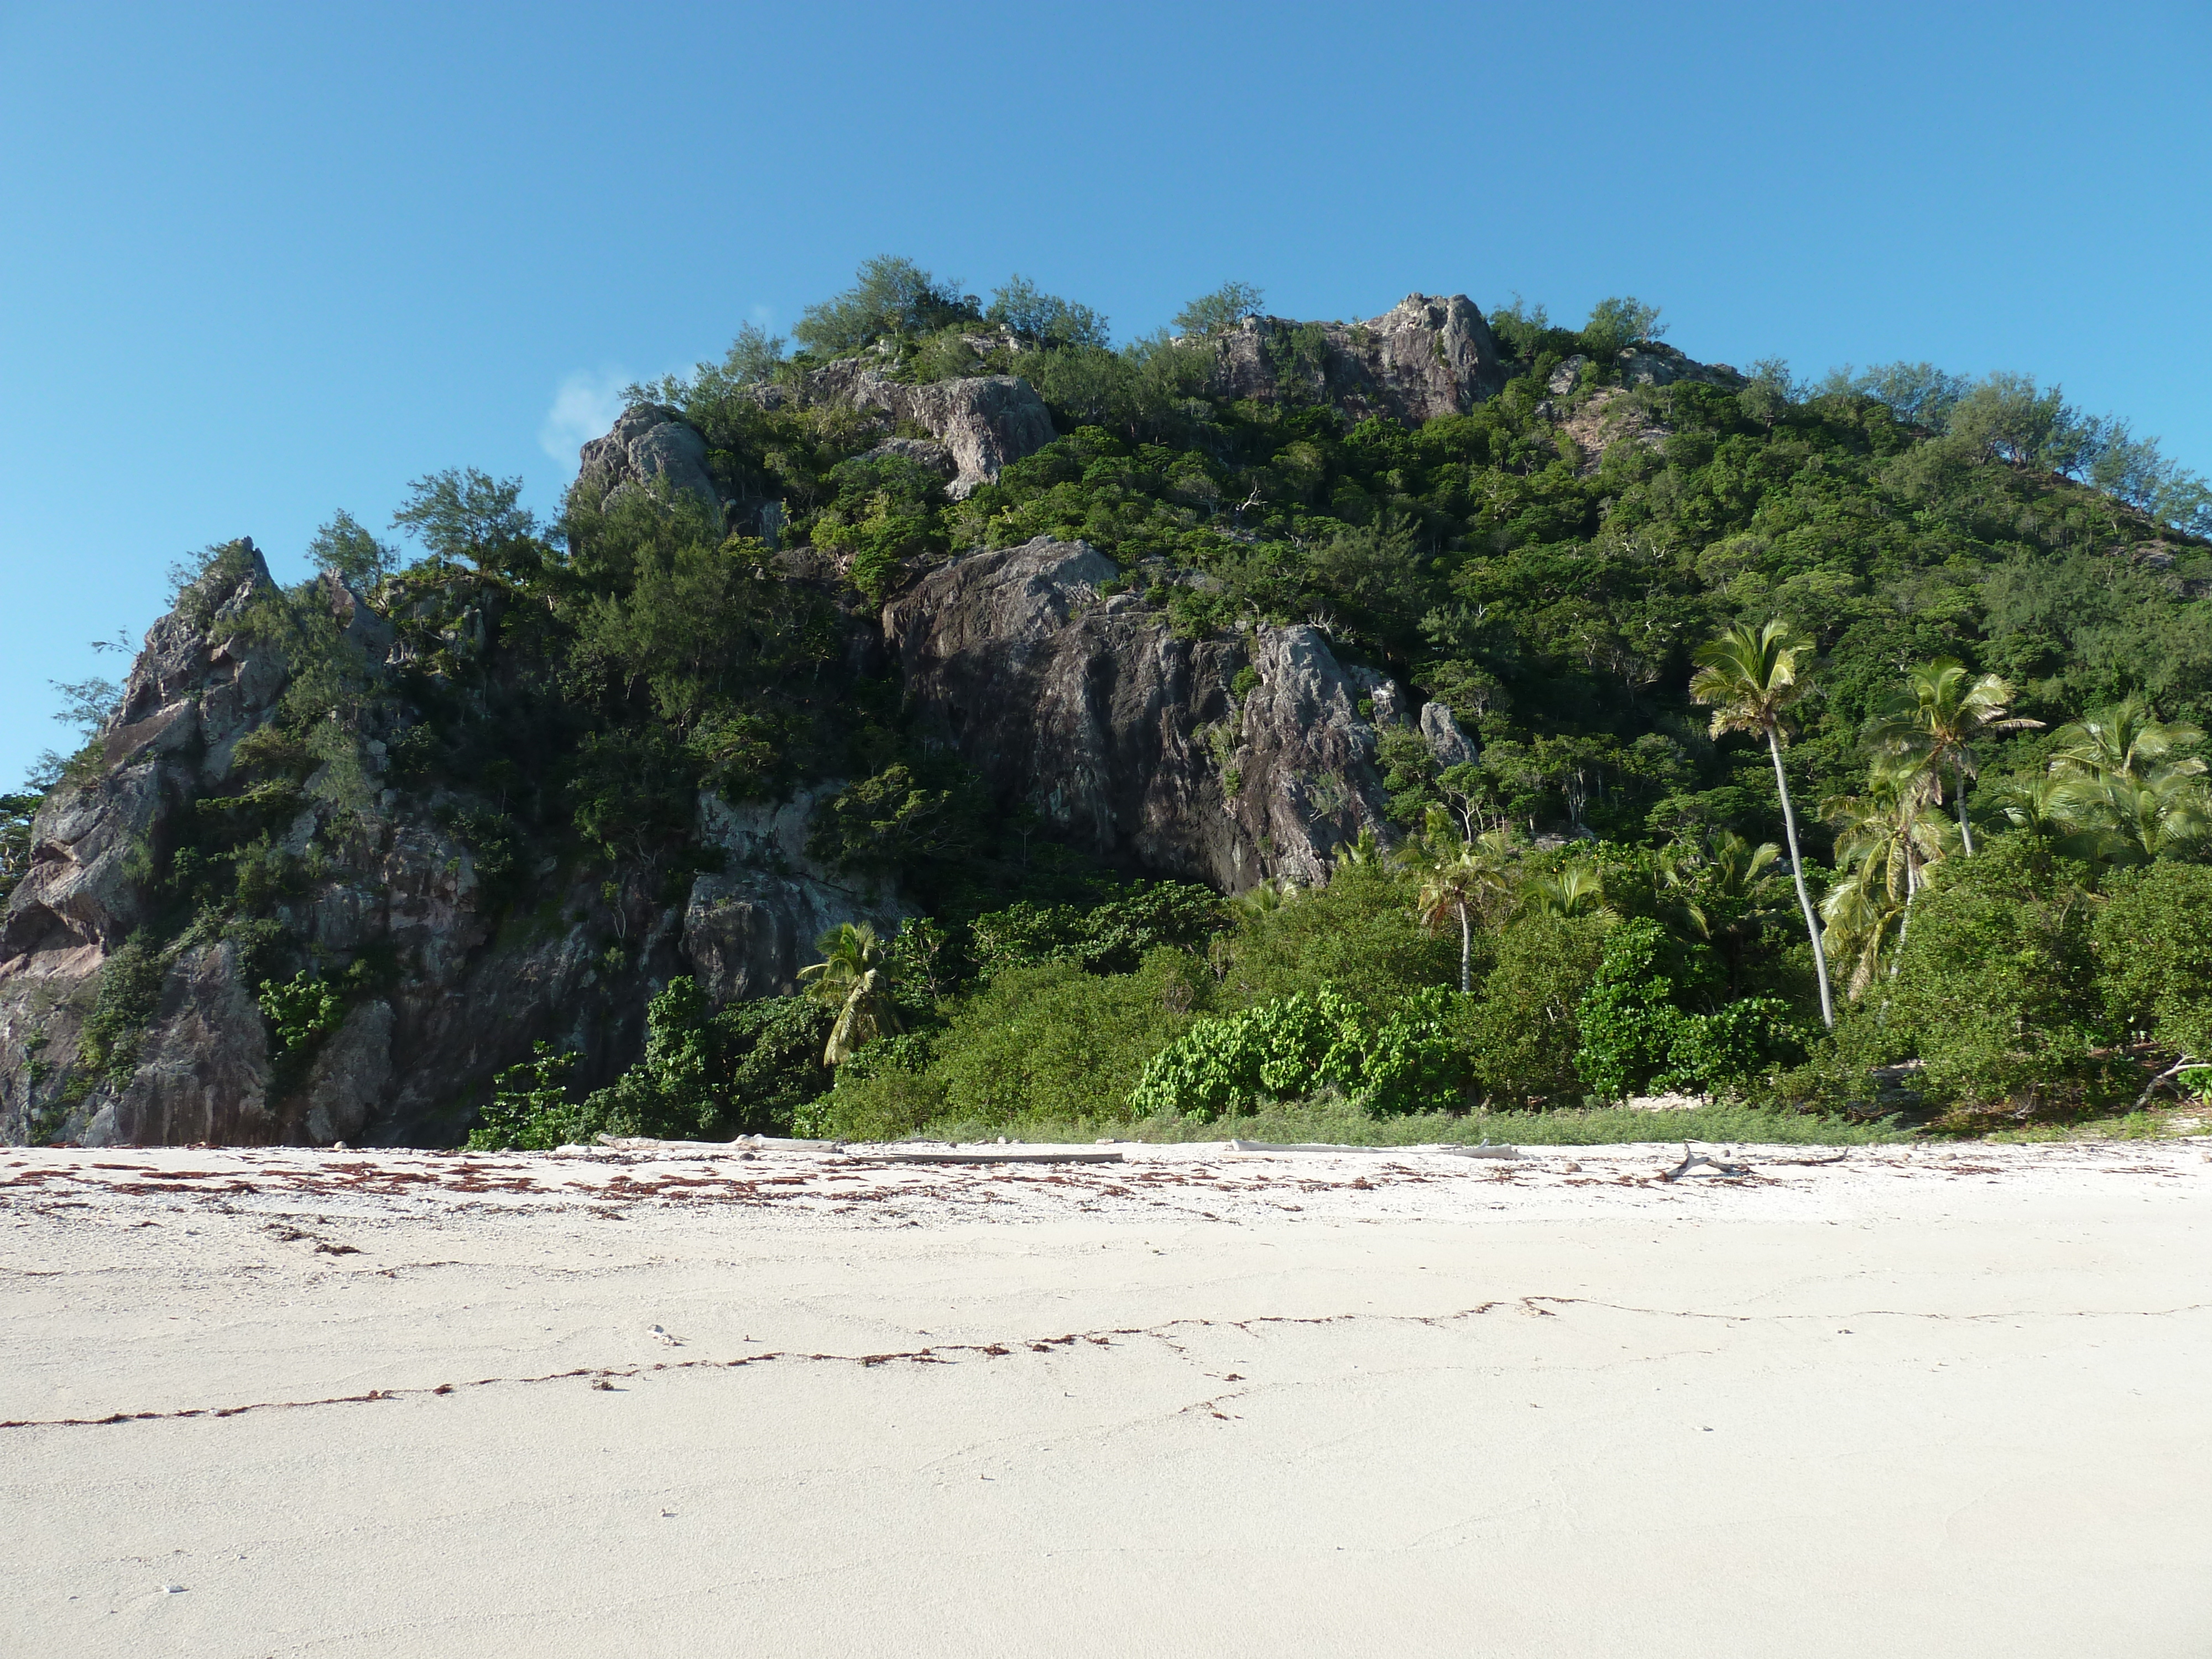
<point>2185,1064</point>
<point>1694,1160</point>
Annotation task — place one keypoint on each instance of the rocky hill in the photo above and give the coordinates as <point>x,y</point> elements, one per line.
<point>969,617</point>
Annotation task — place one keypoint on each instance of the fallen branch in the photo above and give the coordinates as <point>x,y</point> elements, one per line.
<point>2185,1064</point>
<point>1694,1160</point>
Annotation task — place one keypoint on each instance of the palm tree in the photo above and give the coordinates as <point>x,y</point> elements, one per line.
<point>1574,889</point>
<point>1936,720</point>
<point>2135,820</point>
<point>1750,677</point>
<point>1454,887</point>
<point>2124,739</point>
<point>854,979</point>
<point>1891,834</point>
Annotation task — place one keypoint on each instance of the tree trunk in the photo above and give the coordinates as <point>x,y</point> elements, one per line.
<point>1966,830</point>
<point>1466,950</point>
<point>1797,870</point>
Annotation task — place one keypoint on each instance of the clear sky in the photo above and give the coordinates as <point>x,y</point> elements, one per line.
<point>260,262</point>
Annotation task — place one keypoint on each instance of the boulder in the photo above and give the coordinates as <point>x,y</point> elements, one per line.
<point>984,422</point>
<point>650,440</point>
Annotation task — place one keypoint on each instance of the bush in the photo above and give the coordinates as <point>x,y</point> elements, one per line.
<point>2154,945</point>
<point>1304,1045</point>
<point>1054,1039</point>
<point>1996,988</point>
<point>1357,933</point>
<point>531,1110</point>
<point>1527,1028</point>
<point>1636,1035</point>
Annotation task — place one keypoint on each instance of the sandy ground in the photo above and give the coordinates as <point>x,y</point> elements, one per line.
<point>1926,1402</point>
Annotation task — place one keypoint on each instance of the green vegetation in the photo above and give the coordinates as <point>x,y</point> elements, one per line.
<point>1838,743</point>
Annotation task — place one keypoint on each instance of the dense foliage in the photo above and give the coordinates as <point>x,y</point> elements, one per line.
<point>2003,644</point>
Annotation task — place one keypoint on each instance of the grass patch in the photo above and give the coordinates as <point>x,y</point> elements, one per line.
<point>1345,1126</point>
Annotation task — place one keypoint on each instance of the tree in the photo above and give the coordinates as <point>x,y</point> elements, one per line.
<point>1891,834</point>
<point>1046,319</point>
<point>1750,677</point>
<point>891,298</point>
<point>345,546</point>
<point>1934,722</point>
<point>1619,322</point>
<point>854,979</point>
<point>2126,739</point>
<point>463,513</point>
<point>2135,820</point>
<point>1218,311</point>
<point>1454,887</point>
<point>1574,889</point>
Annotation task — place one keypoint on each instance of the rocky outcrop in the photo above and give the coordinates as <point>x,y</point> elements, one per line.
<point>1423,358</point>
<point>1129,742</point>
<point>1448,744</point>
<point>984,422</point>
<point>650,441</point>
<point>1654,364</point>
<point>751,926</point>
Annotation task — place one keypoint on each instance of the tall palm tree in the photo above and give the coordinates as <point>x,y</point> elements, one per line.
<point>1936,720</point>
<point>854,978</point>
<point>2127,739</point>
<point>1750,677</point>
<point>1453,888</point>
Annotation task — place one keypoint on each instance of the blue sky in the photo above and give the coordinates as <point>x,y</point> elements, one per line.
<point>258,262</point>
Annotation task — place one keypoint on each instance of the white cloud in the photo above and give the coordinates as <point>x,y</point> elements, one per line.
<point>584,407</point>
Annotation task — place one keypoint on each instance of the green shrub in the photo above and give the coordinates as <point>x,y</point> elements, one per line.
<point>1055,1039</point>
<point>1526,1029</point>
<point>1997,988</point>
<point>531,1110</point>
<point>2154,946</point>
<point>1636,1035</point>
<point>1304,1045</point>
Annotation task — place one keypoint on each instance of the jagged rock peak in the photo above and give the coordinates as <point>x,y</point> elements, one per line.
<point>984,422</point>
<point>1423,358</point>
<point>650,440</point>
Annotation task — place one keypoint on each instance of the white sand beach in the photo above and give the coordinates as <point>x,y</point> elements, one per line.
<point>1929,1401</point>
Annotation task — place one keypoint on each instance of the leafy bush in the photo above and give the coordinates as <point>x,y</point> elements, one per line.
<point>1997,988</point>
<point>1636,1035</point>
<point>1304,1045</point>
<point>531,1110</point>
<point>2154,946</point>
<point>1526,1029</point>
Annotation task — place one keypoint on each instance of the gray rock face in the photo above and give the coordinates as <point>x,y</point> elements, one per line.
<point>1448,744</point>
<point>651,441</point>
<point>922,452</point>
<point>1423,358</point>
<point>1654,364</point>
<point>406,1067</point>
<point>749,927</point>
<point>984,422</point>
<point>1567,376</point>
<point>1128,741</point>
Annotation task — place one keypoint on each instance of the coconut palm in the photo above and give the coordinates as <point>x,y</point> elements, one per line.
<point>1750,677</point>
<point>854,979</point>
<point>1890,836</point>
<point>2127,739</point>
<point>2135,820</point>
<point>1935,721</point>
<point>1454,888</point>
